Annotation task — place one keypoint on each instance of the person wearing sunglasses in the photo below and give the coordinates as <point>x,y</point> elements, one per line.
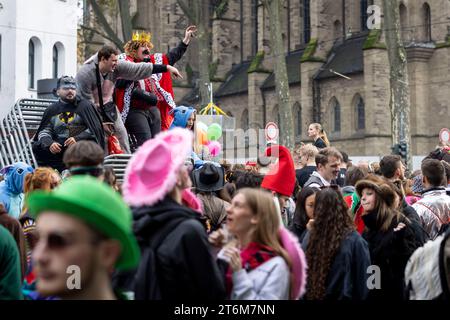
<point>84,233</point>
<point>145,104</point>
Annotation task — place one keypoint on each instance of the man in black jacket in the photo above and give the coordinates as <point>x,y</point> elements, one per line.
<point>64,123</point>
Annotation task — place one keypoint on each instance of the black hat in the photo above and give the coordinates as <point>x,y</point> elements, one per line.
<point>210,177</point>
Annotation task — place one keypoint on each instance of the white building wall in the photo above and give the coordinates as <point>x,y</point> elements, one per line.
<point>50,21</point>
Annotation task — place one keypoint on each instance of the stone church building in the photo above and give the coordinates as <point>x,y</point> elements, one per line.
<point>338,70</point>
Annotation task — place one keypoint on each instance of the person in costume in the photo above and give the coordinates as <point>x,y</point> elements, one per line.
<point>64,123</point>
<point>82,223</point>
<point>281,181</point>
<point>156,182</point>
<point>184,117</point>
<point>145,105</point>
<point>12,187</point>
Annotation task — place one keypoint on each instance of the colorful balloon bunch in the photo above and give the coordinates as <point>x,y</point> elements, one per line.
<point>208,136</point>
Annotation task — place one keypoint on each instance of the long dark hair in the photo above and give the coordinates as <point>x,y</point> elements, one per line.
<point>332,223</point>
<point>300,216</point>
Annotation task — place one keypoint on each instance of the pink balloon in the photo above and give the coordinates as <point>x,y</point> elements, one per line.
<point>214,148</point>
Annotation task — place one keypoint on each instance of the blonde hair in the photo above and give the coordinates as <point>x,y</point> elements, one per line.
<point>322,133</point>
<point>267,230</point>
<point>309,150</point>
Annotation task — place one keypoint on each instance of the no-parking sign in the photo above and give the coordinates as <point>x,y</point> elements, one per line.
<point>271,132</point>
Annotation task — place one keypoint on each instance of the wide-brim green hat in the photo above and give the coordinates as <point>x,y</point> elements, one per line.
<point>97,205</point>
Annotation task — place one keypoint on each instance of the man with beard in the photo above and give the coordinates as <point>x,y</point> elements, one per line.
<point>64,123</point>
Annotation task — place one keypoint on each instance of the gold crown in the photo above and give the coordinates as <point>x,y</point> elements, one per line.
<point>143,36</point>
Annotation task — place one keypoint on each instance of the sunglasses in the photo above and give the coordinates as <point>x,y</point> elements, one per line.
<point>56,241</point>
<point>92,171</point>
<point>145,52</point>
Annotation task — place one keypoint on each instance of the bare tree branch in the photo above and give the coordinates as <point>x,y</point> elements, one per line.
<point>189,12</point>
<point>101,34</point>
<point>104,23</point>
<point>125,17</point>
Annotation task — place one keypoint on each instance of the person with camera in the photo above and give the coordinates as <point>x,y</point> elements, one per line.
<point>96,80</point>
<point>64,123</point>
<point>145,105</point>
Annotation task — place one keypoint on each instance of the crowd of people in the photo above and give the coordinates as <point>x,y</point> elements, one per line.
<point>308,224</point>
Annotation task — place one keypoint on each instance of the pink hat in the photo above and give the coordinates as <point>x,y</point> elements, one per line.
<point>292,246</point>
<point>152,171</point>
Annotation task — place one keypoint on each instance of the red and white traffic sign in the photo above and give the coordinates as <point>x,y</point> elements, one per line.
<point>444,135</point>
<point>271,132</point>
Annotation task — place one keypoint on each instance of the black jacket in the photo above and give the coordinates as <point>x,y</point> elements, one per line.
<point>188,270</point>
<point>390,251</point>
<point>85,109</point>
<point>347,278</point>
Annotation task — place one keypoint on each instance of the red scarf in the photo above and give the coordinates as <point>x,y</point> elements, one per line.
<point>252,257</point>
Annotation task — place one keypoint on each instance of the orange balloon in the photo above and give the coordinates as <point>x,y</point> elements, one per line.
<point>202,137</point>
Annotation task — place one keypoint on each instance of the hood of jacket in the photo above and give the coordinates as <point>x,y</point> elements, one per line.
<point>15,177</point>
<point>181,116</point>
<point>147,219</point>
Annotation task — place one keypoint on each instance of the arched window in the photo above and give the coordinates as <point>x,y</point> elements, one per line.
<point>55,62</point>
<point>306,21</point>
<point>34,61</point>
<point>403,22</point>
<point>31,63</point>
<point>426,22</point>
<point>360,113</point>
<point>298,120</point>
<point>337,30</point>
<point>244,120</point>
<point>364,5</point>
<point>336,115</point>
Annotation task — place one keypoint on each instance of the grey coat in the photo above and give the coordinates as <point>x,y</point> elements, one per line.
<point>87,87</point>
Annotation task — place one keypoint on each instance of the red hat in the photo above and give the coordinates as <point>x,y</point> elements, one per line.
<point>281,178</point>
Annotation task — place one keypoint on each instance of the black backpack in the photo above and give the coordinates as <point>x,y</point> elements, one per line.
<point>143,281</point>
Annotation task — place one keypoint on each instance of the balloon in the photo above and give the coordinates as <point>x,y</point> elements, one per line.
<point>202,126</point>
<point>214,148</point>
<point>202,137</point>
<point>214,132</point>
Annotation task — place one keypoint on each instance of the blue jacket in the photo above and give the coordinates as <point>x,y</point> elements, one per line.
<point>11,189</point>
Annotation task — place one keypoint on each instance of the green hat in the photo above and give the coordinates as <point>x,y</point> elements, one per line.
<point>96,204</point>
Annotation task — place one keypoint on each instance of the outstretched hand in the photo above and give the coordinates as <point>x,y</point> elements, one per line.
<point>189,33</point>
<point>174,71</point>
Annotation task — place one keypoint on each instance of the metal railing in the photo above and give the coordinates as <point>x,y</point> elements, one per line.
<point>17,129</point>
<point>20,125</point>
<point>118,162</point>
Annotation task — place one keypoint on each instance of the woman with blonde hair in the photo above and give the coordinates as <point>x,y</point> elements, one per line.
<point>316,132</point>
<point>262,266</point>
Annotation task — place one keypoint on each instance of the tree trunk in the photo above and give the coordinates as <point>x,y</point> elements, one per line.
<point>273,8</point>
<point>125,18</point>
<point>198,12</point>
<point>400,99</point>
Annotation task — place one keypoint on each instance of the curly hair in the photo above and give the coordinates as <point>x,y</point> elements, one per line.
<point>332,224</point>
<point>40,179</point>
<point>131,47</point>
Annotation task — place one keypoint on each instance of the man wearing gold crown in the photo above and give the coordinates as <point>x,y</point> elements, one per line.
<point>145,105</point>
